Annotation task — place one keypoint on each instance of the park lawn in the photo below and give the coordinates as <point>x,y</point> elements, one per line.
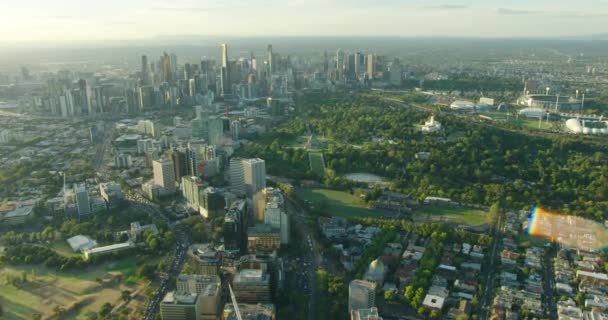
<point>316,163</point>
<point>336,203</point>
<point>472,217</point>
<point>78,291</point>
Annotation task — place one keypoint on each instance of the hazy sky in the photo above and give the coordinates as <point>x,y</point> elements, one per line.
<point>24,21</point>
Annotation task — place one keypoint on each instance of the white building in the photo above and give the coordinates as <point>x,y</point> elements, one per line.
<point>462,105</point>
<point>164,176</point>
<point>81,243</point>
<point>254,175</point>
<point>431,126</point>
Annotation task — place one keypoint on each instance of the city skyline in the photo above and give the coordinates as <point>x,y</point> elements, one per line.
<point>35,21</point>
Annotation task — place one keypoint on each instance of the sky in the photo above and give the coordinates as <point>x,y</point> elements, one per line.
<point>57,21</point>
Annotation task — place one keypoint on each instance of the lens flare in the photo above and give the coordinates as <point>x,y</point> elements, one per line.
<point>567,230</point>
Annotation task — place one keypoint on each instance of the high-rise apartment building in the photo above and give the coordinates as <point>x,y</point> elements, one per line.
<point>82,199</point>
<point>164,175</point>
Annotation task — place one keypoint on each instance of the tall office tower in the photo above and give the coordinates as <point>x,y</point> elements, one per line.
<point>225,84</point>
<point>212,203</point>
<point>235,130</point>
<point>82,200</point>
<point>164,175</point>
<point>216,131</point>
<point>396,72</point>
<point>361,295</point>
<point>325,63</point>
<point>271,64</point>
<point>100,105</point>
<point>165,68</point>
<point>85,96</point>
<point>191,87</point>
<point>180,163</point>
<point>276,217</point>
<point>233,232</point>
<point>371,66</point>
<point>146,97</point>
<point>254,175</point>
<point>350,66</point>
<point>191,188</point>
<point>173,59</point>
<point>358,64</point>
<point>339,64</point>
<point>146,77</point>
<point>237,178</point>
<point>66,103</point>
<point>132,97</point>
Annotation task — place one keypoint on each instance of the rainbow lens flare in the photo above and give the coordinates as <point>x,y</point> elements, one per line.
<point>567,230</point>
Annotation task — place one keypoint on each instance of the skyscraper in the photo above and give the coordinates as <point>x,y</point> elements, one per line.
<point>146,78</point>
<point>339,64</point>
<point>254,175</point>
<point>237,180</point>
<point>85,96</point>
<point>371,66</point>
<point>216,131</point>
<point>164,175</point>
<point>271,64</point>
<point>82,200</point>
<point>225,84</point>
<point>165,68</point>
<point>180,163</point>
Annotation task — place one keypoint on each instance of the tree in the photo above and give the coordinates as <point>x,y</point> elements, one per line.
<point>421,311</point>
<point>462,317</point>
<point>106,309</point>
<point>580,299</point>
<point>125,295</point>
<point>23,276</point>
<point>389,295</point>
<point>435,314</point>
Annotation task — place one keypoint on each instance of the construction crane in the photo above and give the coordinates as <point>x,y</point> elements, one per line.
<point>235,304</point>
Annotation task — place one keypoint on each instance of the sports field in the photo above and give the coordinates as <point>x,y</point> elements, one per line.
<point>338,203</point>
<point>76,292</point>
<point>472,217</point>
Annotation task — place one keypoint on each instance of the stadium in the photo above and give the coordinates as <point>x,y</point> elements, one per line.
<point>587,127</point>
<point>556,103</point>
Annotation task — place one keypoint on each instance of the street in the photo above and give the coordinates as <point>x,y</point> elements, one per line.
<point>313,260</point>
<point>182,243</point>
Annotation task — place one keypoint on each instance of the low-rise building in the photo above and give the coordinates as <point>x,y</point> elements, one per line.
<point>108,249</point>
<point>180,306</point>
<point>251,286</point>
<point>263,238</point>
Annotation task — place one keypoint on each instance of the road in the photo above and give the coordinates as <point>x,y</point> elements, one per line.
<point>490,274</point>
<point>550,305</point>
<point>313,261</point>
<point>182,242</point>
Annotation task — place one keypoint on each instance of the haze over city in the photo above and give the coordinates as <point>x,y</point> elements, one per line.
<point>39,21</point>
